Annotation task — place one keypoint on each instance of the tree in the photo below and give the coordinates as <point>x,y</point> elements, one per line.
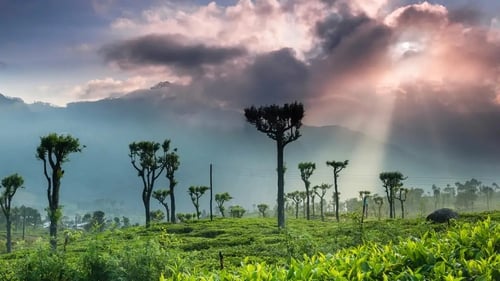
<point>195,192</point>
<point>337,167</point>
<point>449,193</point>
<point>27,216</point>
<point>236,211</point>
<point>54,151</point>
<point>303,196</point>
<point>282,124</point>
<point>98,221</point>
<point>125,222</point>
<point>313,205</point>
<point>379,201</point>
<point>149,162</point>
<point>364,199</point>
<point>262,209</point>
<point>161,196</point>
<point>488,193</point>
<point>295,197</point>
<point>157,216</point>
<point>220,199</point>
<point>172,164</point>
<point>467,193</point>
<point>10,185</point>
<point>391,181</point>
<point>402,198</point>
<point>306,171</point>
<point>321,190</point>
<point>436,192</point>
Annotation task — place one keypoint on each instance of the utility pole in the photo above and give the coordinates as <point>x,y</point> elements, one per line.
<point>211,194</point>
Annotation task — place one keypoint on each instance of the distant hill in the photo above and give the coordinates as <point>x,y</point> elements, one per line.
<point>101,177</point>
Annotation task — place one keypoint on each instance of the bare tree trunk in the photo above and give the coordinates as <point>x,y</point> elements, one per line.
<point>172,203</point>
<point>8,243</point>
<point>336,198</point>
<point>281,186</point>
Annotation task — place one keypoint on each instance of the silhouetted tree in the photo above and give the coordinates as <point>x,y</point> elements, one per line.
<point>436,192</point>
<point>262,209</point>
<point>306,171</point>
<point>280,123</point>
<point>172,164</point>
<point>149,162</point>
<point>53,151</point>
<point>98,221</point>
<point>295,197</point>
<point>391,181</point>
<point>220,199</point>
<point>448,194</point>
<point>379,201</point>
<point>364,199</point>
<point>195,192</point>
<point>467,193</point>
<point>27,216</point>
<point>125,222</point>
<point>303,196</point>
<point>161,196</point>
<point>10,185</point>
<point>337,167</point>
<point>312,194</point>
<point>236,211</point>
<point>321,190</point>
<point>401,196</point>
<point>488,192</point>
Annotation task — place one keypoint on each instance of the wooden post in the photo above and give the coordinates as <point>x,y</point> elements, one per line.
<point>211,194</point>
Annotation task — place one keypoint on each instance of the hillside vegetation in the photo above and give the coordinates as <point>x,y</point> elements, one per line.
<point>254,249</point>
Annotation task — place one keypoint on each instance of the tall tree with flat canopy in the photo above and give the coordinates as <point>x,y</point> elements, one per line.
<point>10,185</point>
<point>149,160</point>
<point>282,124</point>
<point>220,199</point>
<point>161,196</point>
<point>195,192</point>
<point>391,181</point>
<point>172,164</point>
<point>337,167</point>
<point>306,171</point>
<point>54,151</point>
<point>321,190</point>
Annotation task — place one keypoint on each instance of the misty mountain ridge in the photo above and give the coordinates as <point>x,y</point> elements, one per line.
<point>244,160</point>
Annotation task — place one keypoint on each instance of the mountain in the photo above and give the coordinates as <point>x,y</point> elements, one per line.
<point>244,160</point>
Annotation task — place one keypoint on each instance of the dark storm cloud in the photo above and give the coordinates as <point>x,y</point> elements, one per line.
<point>353,45</point>
<point>166,50</point>
<point>466,14</point>
<point>336,28</point>
<point>274,77</point>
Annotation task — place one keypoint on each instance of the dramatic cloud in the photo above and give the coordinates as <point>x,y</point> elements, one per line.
<point>167,50</point>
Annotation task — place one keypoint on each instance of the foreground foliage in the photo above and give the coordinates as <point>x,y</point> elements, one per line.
<point>468,252</point>
<point>254,249</point>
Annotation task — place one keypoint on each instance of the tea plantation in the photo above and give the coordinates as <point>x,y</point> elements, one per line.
<point>254,249</point>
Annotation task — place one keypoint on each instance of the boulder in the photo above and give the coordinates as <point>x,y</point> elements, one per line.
<point>442,215</point>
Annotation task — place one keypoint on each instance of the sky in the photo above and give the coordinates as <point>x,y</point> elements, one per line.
<point>422,74</point>
<point>351,62</point>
